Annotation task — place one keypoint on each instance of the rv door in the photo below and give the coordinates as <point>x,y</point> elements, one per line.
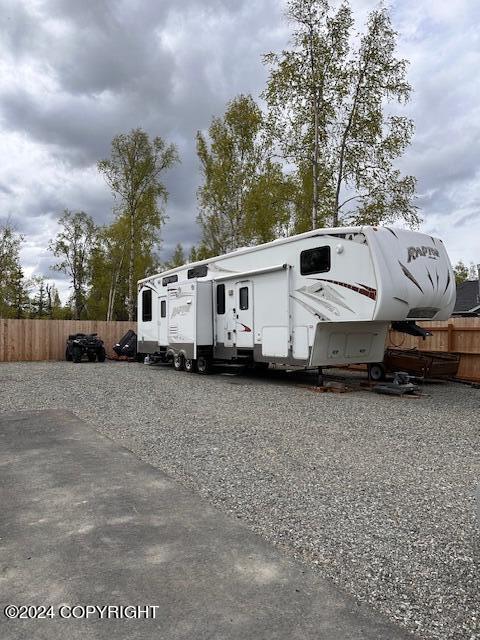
<point>244,314</point>
<point>162,321</point>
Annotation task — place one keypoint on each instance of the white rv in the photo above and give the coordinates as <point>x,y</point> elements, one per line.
<point>325,297</point>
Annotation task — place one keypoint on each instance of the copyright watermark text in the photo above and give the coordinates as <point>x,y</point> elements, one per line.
<point>81,612</point>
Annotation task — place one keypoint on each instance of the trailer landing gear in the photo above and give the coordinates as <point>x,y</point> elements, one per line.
<point>320,378</point>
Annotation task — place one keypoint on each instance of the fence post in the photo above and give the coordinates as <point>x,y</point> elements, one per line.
<point>451,337</point>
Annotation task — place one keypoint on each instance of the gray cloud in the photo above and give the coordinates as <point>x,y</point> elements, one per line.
<point>76,73</point>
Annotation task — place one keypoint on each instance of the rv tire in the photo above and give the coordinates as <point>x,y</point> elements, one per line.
<point>203,365</point>
<point>189,365</point>
<point>178,362</point>
<point>376,371</point>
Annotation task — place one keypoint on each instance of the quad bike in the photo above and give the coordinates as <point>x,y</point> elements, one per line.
<point>81,344</point>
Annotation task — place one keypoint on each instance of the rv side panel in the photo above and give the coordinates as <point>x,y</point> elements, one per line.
<point>204,304</point>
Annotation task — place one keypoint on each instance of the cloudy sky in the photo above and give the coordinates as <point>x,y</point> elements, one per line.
<point>74,73</point>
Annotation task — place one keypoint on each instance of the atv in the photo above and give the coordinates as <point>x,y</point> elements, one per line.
<point>80,344</point>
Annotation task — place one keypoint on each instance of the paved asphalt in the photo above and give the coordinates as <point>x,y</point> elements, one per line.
<point>84,522</point>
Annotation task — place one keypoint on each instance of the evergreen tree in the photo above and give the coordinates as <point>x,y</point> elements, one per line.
<point>13,292</point>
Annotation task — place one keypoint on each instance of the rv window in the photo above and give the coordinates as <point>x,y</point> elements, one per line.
<point>163,308</point>
<point>147,305</point>
<point>169,279</point>
<point>315,260</point>
<point>243,292</point>
<point>220,299</point>
<point>198,272</point>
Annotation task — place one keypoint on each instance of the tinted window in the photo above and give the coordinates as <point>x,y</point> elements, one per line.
<point>169,279</point>
<point>220,299</point>
<point>198,272</point>
<point>315,260</point>
<point>243,292</point>
<point>147,305</point>
<point>163,308</point>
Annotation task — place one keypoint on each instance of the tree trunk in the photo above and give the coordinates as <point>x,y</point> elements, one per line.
<point>315,137</point>
<point>131,302</point>
<point>315,172</point>
<point>78,306</point>
<point>109,306</point>
<point>112,294</point>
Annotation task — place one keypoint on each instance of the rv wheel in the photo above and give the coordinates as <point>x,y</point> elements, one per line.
<point>189,365</point>
<point>178,362</point>
<point>376,371</point>
<point>203,365</point>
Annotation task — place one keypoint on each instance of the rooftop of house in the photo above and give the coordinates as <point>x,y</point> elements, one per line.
<point>468,297</point>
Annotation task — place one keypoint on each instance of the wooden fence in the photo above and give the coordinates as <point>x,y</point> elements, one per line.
<point>457,335</point>
<point>32,340</point>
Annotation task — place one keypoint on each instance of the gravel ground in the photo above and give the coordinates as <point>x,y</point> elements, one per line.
<point>376,492</point>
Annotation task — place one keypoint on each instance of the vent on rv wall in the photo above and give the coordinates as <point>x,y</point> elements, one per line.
<point>423,312</point>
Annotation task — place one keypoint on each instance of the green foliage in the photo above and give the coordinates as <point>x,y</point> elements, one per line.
<point>45,302</point>
<point>178,258</point>
<point>73,245</point>
<point>39,302</point>
<point>463,273</point>
<point>108,294</point>
<point>244,197</point>
<point>326,99</point>
<point>133,172</point>
<point>13,291</point>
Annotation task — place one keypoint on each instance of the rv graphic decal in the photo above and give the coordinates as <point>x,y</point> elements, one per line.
<point>245,328</point>
<point>448,282</point>
<point>410,276</point>
<point>181,310</point>
<point>422,252</point>
<point>330,307</point>
<point>323,293</point>
<point>309,308</point>
<point>363,289</point>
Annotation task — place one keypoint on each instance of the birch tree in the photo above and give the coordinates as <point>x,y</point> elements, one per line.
<point>245,196</point>
<point>73,246</point>
<point>134,173</point>
<point>327,99</point>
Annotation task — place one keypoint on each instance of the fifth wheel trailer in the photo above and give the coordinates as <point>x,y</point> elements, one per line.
<point>322,298</point>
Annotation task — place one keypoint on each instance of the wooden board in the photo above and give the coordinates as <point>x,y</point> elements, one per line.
<point>457,335</point>
<point>35,340</point>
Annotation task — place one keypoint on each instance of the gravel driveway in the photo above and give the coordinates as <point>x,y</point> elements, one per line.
<point>377,492</point>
